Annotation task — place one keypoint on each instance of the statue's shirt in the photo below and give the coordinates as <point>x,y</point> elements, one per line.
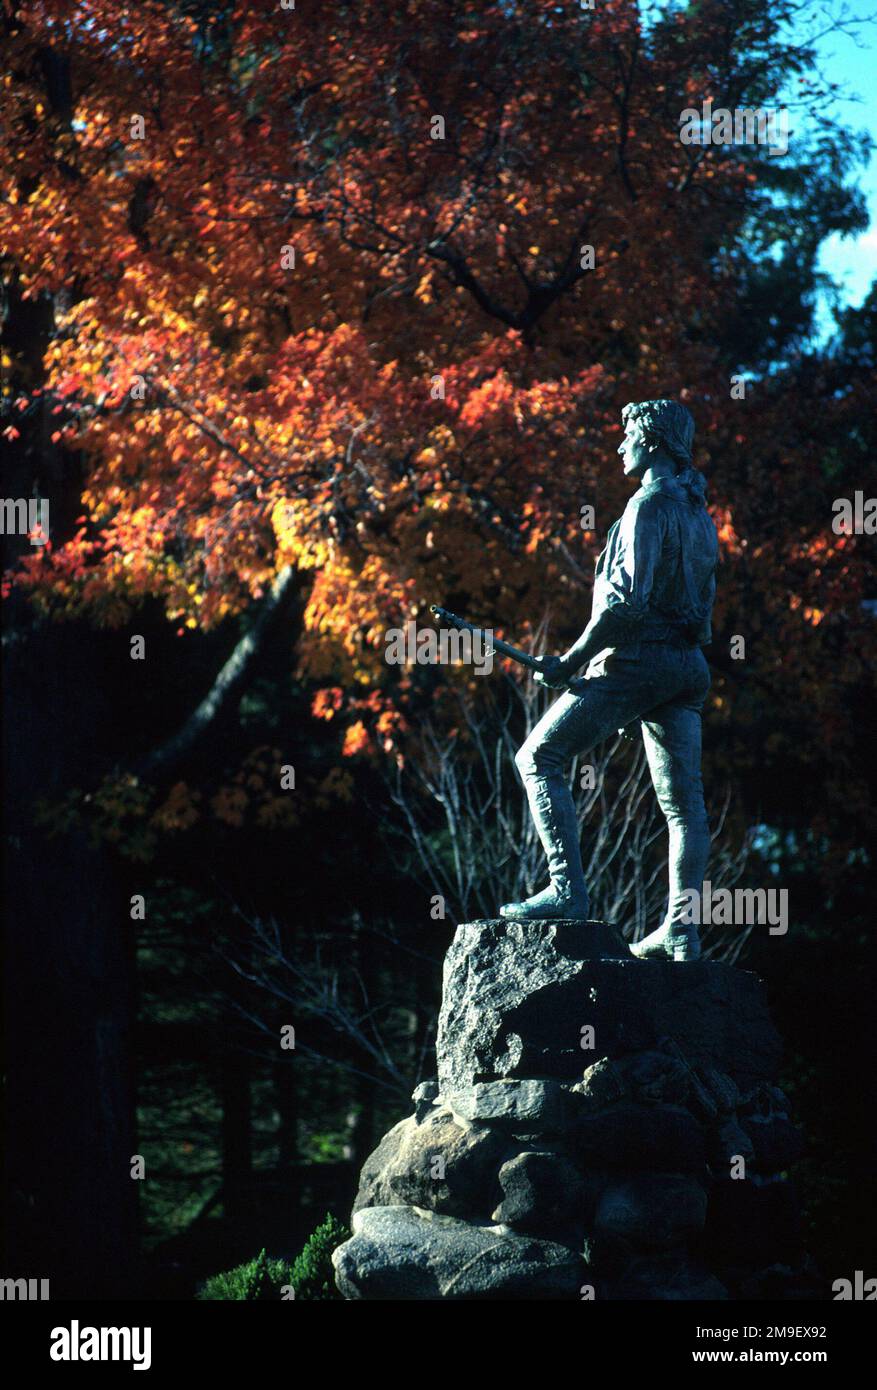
<point>657,572</point>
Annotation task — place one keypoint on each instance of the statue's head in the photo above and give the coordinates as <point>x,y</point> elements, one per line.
<point>658,432</point>
<point>658,426</point>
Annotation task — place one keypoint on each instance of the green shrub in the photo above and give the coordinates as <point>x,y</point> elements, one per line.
<point>255,1281</point>
<point>310,1274</point>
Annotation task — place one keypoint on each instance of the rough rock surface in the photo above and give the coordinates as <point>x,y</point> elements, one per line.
<point>403,1253</point>
<point>653,1210</point>
<point>542,1191</point>
<point>515,1104</point>
<point>435,1164</point>
<point>664,1137</point>
<point>517,996</point>
<point>600,1126</point>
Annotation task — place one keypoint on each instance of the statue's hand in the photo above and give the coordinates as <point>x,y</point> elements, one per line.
<point>552,672</point>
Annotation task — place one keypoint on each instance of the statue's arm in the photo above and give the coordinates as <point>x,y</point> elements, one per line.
<point>629,584</point>
<point>608,629</point>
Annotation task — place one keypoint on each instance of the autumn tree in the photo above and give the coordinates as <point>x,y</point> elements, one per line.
<point>357,295</point>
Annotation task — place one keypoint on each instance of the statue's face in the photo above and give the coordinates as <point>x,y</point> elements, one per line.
<point>633,450</point>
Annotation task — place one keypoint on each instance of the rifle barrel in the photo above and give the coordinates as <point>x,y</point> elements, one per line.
<point>505,648</point>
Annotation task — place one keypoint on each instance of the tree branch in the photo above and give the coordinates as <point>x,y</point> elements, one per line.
<point>227,683</point>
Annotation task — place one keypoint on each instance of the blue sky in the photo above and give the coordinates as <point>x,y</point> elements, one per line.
<point>852,261</point>
<point>851,61</point>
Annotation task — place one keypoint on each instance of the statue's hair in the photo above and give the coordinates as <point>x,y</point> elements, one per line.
<point>669,426</point>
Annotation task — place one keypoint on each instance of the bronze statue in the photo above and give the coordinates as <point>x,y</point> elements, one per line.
<point>653,595</point>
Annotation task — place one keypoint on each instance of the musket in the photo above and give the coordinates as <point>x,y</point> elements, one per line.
<point>497,644</point>
<point>506,649</point>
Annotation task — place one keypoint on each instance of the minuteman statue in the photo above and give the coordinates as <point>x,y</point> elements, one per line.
<point>653,595</point>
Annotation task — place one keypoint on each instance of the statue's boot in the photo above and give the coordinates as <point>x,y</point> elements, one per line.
<point>551,904</point>
<point>566,895</point>
<point>672,941</point>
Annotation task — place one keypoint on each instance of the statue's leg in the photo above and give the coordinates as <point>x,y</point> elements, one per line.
<point>672,737</point>
<point>573,725</point>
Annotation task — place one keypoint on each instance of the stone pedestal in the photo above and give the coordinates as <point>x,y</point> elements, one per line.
<point>599,1127</point>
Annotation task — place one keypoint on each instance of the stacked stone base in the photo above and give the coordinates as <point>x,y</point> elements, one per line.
<point>600,1127</point>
